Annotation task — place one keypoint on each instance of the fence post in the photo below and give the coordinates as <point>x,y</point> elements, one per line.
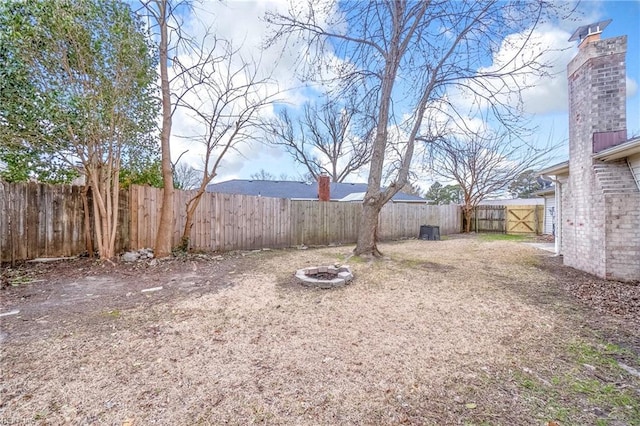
<point>133,217</point>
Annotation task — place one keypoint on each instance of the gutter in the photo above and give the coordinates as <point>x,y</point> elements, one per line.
<point>410,201</point>
<point>557,169</point>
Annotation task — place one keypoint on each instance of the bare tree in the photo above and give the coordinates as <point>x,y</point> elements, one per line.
<point>165,17</point>
<point>323,140</point>
<point>227,97</point>
<point>265,175</point>
<point>185,176</point>
<point>483,164</point>
<point>406,58</point>
<point>412,189</point>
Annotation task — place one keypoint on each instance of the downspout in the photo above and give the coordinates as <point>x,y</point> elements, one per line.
<point>558,216</point>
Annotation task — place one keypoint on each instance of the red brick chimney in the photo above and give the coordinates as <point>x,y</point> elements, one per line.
<point>324,187</point>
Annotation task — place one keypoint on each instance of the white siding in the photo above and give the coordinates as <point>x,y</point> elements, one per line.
<point>549,218</point>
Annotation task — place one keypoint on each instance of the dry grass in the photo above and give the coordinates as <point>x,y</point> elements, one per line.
<point>445,332</point>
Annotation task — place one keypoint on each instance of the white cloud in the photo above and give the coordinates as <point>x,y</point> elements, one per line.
<point>242,24</point>
<point>539,94</point>
<point>550,93</point>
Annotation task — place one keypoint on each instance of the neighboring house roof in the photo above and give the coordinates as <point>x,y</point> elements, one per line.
<point>512,202</point>
<point>402,198</point>
<point>556,169</point>
<point>355,196</point>
<point>297,190</point>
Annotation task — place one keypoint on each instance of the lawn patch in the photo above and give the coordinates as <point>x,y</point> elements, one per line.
<point>447,332</point>
<point>587,388</point>
<point>503,237</point>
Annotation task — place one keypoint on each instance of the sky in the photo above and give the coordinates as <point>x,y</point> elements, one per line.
<point>551,110</point>
<point>241,22</point>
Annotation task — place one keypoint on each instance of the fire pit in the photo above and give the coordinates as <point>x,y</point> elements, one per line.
<point>324,276</point>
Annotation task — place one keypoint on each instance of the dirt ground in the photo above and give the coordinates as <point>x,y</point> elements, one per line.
<point>462,331</point>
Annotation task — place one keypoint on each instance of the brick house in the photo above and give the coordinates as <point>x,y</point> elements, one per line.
<point>597,190</point>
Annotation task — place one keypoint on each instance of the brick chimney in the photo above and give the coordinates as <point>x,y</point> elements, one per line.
<point>324,187</point>
<point>597,91</point>
<point>597,220</point>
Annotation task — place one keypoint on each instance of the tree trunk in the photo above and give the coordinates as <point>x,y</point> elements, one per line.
<point>87,221</point>
<point>162,246</point>
<point>165,227</point>
<point>373,199</point>
<point>185,241</point>
<point>468,213</point>
<point>192,205</point>
<point>115,211</point>
<point>368,231</point>
<point>97,220</point>
<point>101,215</point>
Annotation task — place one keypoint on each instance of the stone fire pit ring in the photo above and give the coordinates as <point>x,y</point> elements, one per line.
<point>324,276</point>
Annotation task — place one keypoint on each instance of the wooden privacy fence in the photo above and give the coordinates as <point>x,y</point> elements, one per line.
<point>221,221</point>
<point>524,220</point>
<point>39,220</point>
<point>241,222</point>
<point>488,219</point>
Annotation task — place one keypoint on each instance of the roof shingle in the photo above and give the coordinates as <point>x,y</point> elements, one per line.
<point>295,190</point>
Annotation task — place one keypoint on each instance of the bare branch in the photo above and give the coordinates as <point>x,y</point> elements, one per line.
<point>226,94</point>
<point>327,139</point>
<point>406,60</point>
<point>484,163</point>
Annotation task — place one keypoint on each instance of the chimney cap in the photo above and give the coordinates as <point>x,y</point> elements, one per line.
<point>585,30</point>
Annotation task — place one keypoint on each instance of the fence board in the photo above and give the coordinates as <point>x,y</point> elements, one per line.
<point>490,219</point>
<point>516,219</point>
<point>39,220</point>
<point>45,220</point>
